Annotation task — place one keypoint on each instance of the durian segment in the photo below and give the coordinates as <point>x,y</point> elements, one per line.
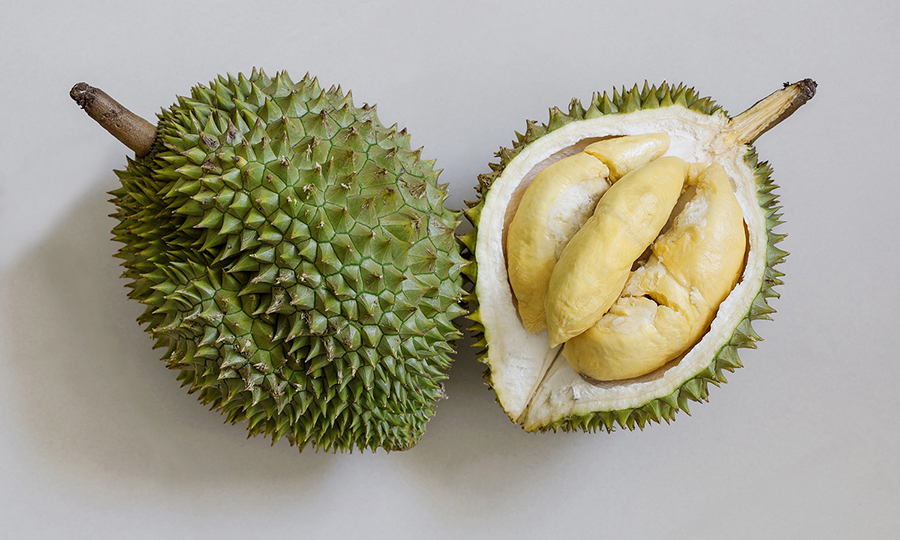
<point>668,303</point>
<point>625,154</point>
<point>553,208</point>
<point>556,205</point>
<point>705,248</point>
<point>542,398</point>
<point>595,264</point>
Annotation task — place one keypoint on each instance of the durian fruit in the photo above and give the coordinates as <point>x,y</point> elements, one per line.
<point>620,253</point>
<point>295,258</point>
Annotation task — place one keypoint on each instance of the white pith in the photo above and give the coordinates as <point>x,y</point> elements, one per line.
<point>534,384</point>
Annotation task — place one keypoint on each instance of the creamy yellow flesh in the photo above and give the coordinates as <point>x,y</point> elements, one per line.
<point>668,303</point>
<point>592,270</point>
<point>625,154</point>
<point>560,199</point>
<point>615,323</point>
<point>557,204</point>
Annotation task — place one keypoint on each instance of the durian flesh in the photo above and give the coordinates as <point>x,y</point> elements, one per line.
<point>534,383</point>
<point>666,302</point>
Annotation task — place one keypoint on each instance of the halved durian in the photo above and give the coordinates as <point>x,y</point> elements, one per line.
<point>535,384</point>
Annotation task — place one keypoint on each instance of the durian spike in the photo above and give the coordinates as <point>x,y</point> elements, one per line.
<point>767,112</point>
<point>132,130</point>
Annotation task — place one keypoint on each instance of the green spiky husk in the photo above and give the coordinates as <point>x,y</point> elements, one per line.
<point>296,260</point>
<point>695,389</point>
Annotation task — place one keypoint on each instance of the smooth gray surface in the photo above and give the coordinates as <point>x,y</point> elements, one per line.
<point>97,439</point>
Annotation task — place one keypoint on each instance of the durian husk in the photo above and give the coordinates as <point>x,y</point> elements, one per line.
<point>258,325</point>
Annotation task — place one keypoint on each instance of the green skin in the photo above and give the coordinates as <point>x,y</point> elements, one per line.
<point>296,260</point>
<point>695,389</point>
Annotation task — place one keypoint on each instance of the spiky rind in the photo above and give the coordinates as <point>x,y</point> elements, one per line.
<point>296,260</point>
<point>695,389</point>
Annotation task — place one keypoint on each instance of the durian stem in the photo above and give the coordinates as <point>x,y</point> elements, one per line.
<point>767,112</point>
<point>132,130</point>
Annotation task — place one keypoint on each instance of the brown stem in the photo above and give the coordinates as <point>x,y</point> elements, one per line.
<point>132,130</point>
<point>767,112</point>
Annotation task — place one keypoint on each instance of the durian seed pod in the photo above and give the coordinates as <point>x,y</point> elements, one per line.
<point>603,298</point>
<point>295,258</point>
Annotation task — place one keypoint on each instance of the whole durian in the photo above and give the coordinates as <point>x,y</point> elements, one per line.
<point>621,252</point>
<point>295,258</point>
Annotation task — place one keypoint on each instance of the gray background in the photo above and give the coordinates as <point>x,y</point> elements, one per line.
<point>97,439</point>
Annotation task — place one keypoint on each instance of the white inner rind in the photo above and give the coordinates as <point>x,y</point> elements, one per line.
<point>534,384</point>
